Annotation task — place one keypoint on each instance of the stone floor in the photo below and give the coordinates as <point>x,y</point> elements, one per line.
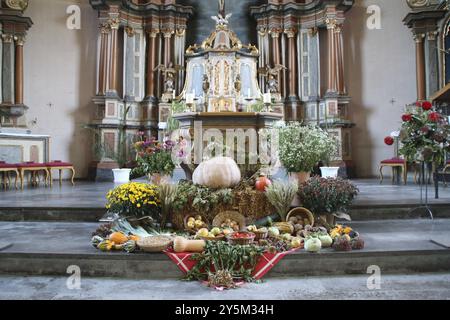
<point>73,238</point>
<point>92,195</point>
<point>392,287</point>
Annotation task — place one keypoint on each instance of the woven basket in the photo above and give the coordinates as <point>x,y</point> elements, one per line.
<point>193,231</point>
<point>232,215</point>
<point>259,235</point>
<point>218,238</point>
<point>154,243</point>
<point>241,241</point>
<point>303,212</point>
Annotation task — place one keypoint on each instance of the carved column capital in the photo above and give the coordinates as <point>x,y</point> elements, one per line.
<point>17,4</point>
<point>20,40</point>
<point>275,33</point>
<point>153,33</point>
<point>262,32</point>
<point>7,38</point>
<point>331,23</point>
<point>130,31</point>
<point>418,38</point>
<point>180,32</point>
<point>114,23</point>
<point>105,28</point>
<point>168,33</point>
<point>291,32</point>
<point>432,36</point>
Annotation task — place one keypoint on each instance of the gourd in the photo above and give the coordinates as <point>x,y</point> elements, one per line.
<point>274,232</point>
<point>262,183</point>
<point>313,245</point>
<point>181,244</point>
<point>105,245</point>
<point>129,246</point>
<point>326,241</point>
<point>118,237</point>
<point>284,227</point>
<point>219,172</point>
<point>96,240</point>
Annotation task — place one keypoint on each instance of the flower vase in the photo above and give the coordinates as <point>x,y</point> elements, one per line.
<point>301,177</point>
<point>158,179</point>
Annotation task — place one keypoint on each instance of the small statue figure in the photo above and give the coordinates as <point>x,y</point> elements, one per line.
<point>272,76</point>
<point>222,19</point>
<point>169,76</point>
<point>238,83</point>
<point>206,84</point>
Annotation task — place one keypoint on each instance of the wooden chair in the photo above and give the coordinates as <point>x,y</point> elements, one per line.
<point>59,165</point>
<point>395,163</point>
<point>6,169</point>
<point>34,169</point>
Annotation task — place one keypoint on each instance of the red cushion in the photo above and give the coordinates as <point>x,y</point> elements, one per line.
<point>58,163</point>
<point>30,165</point>
<point>4,165</point>
<point>393,161</point>
<point>448,161</point>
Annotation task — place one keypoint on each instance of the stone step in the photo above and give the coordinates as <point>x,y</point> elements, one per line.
<point>395,246</point>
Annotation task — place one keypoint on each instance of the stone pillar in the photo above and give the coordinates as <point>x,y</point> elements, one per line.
<point>420,67</point>
<point>292,63</point>
<point>151,64</point>
<point>7,69</point>
<point>276,56</point>
<point>129,65</point>
<point>103,61</point>
<point>20,40</point>
<point>433,64</point>
<point>332,83</point>
<point>168,47</point>
<point>113,66</point>
<point>339,50</point>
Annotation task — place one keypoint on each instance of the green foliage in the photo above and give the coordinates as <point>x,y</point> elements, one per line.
<point>201,198</point>
<point>281,194</point>
<point>258,106</point>
<point>157,163</point>
<point>302,147</point>
<point>327,196</point>
<point>219,256</point>
<point>177,107</point>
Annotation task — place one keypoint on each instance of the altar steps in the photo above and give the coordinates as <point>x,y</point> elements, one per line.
<point>42,248</point>
<point>359,212</point>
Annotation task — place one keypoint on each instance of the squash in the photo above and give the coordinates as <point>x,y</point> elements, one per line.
<point>219,172</point>
<point>313,245</point>
<point>284,227</point>
<point>133,238</point>
<point>129,246</point>
<point>326,241</point>
<point>96,240</point>
<point>106,245</point>
<point>118,237</point>
<point>181,244</point>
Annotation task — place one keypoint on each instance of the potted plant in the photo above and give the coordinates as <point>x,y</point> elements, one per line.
<point>155,159</point>
<point>302,147</point>
<point>327,198</point>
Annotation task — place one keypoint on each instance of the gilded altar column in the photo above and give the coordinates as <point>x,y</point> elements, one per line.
<point>420,67</point>
<point>151,63</point>
<point>7,69</point>
<point>18,70</point>
<point>102,68</point>
<point>168,46</point>
<point>114,25</point>
<point>338,38</point>
<point>331,25</point>
<point>276,57</point>
<point>292,63</point>
<point>433,63</point>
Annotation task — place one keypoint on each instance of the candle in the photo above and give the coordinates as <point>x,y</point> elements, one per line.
<point>173,95</point>
<point>193,93</point>
<point>189,98</point>
<point>249,93</point>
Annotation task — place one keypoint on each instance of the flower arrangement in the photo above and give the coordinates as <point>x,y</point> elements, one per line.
<point>424,134</point>
<point>302,147</point>
<point>154,157</point>
<point>134,199</point>
<point>327,196</point>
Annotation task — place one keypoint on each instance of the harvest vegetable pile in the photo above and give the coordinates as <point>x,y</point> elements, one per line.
<point>227,248</point>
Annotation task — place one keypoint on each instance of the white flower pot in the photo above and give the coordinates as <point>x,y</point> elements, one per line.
<point>329,172</point>
<point>121,175</point>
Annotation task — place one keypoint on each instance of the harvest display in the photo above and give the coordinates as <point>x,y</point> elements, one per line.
<point>219,242</point>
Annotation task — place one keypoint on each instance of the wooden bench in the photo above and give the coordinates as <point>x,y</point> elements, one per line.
<point>6,169</point>
<point>34,169</point>
<point>59,165</point>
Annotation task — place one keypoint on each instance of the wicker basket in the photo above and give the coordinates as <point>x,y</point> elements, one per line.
<point>260,235</point>
<point>303,212</point>
<point>154,243</point>
<point>241,241</point>
<point>217,238</point>
<point>193,231</point>
<point>232,215</point>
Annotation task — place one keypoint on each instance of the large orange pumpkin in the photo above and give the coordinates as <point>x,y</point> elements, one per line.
<point>118,237</point>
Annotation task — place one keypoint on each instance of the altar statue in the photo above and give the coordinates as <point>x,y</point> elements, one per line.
<point>272,75</point>
<point>169,76</point>
<point>222,19</point>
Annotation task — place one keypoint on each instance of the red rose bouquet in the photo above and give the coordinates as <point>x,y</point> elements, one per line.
<point>425,134</point>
